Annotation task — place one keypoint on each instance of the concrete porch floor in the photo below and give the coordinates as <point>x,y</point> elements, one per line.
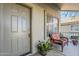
<point>53,52</point>
<point>70,50</point>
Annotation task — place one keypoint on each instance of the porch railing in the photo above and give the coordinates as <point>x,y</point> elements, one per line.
<point>71,35</point>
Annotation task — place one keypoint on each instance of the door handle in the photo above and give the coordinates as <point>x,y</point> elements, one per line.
<point>29,35</point>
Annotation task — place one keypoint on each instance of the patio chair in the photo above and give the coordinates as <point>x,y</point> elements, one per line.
<point>56,39</point>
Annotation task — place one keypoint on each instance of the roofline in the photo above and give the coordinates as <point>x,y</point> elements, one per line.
<point>69,23</point>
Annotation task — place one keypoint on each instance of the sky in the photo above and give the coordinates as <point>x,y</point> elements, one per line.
<point>68,14</point>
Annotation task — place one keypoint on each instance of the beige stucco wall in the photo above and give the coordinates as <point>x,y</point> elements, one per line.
<point>38,23</point>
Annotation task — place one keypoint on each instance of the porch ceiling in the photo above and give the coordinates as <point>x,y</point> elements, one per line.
<point>68,6</point>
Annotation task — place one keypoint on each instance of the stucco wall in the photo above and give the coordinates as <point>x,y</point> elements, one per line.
<point>38,23</point>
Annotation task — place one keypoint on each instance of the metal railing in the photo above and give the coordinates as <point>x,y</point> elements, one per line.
<point>71,35</point>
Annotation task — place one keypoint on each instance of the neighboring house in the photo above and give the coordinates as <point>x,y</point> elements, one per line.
<point>70,28</point>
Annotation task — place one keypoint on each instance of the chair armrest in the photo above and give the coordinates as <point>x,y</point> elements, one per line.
<point>65,38</point>
<point>59,40</point>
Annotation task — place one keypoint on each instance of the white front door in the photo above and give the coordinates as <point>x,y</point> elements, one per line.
<point>16,29</point>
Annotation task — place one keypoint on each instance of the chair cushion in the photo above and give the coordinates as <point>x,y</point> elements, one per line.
<point>55,36</point>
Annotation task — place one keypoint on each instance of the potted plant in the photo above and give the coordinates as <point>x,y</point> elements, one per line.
<point>44,47</point>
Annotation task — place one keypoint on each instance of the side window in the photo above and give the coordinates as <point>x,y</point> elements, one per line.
<point>52,25</point>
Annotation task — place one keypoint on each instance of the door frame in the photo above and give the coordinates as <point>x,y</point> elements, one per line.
<point>30,28</point>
